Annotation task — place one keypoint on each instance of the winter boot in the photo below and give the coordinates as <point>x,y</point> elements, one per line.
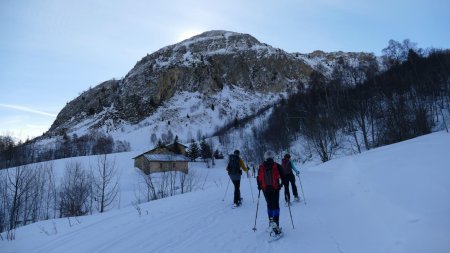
<point>297,199</point>
<point>272,223</point>
<point>275,228</point>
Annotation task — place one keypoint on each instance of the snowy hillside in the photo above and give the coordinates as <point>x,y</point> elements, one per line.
<point>390,199</point>
<point>187,115</point>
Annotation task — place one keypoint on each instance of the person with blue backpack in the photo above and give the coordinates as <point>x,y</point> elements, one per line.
<point>235,167</point>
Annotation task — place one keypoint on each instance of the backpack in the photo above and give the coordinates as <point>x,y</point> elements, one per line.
<point>234,166</point>
<point>286,164</point>
<point>272,180</point>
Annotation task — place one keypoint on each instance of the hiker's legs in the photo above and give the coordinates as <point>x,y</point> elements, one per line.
<point>294,187</point>
<point>237,192</point>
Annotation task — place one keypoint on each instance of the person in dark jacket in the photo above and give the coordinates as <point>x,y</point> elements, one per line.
<point>288,177</point>
<point>235,164</point>
<point>269,181</point>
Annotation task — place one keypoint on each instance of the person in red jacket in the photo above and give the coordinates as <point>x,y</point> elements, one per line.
<point>269,181</point>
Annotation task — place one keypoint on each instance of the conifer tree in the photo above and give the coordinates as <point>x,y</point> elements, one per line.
<point>205,150</point>
<point>194,150</point>
<point>160,144</point>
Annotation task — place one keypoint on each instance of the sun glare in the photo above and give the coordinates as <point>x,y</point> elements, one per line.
<point>187,34</point>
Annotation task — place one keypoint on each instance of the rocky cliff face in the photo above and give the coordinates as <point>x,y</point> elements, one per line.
<point>205,63</point>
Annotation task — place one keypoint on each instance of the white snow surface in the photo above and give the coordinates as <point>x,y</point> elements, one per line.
<point>390,199</point>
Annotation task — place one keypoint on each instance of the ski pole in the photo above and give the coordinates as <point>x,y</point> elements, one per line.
<point>226,189</point>
<point>203,186</point>
<point>256,216</point>
<point>298,175</point>
<point>289,206</point>
<point>251,189</point>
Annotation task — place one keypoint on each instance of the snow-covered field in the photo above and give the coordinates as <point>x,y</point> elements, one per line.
<point>390,199</point>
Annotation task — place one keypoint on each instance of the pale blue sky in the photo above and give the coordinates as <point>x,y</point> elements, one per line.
<point>52,50</point>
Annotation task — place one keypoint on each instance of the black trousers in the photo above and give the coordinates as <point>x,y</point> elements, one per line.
<point>237,191</point>
<point>290,178</point>
<point>273,206</point>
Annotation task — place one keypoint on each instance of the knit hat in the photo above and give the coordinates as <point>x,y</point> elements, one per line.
<point>269,154</point>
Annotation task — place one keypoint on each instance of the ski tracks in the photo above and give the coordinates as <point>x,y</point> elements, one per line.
<point>66,240</point>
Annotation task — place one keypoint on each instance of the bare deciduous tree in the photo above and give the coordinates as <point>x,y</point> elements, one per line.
<point>150,191</point>
<point>4,200</point>
<point>74,191</point>
<point>19,184</point>
<point>51,203</point>
<point>163,184</point>
<point>105,182</point>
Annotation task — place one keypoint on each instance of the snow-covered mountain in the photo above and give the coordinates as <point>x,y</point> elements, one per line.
<point>205,64</point>
<point>200,83</point>
<point>391,199</point>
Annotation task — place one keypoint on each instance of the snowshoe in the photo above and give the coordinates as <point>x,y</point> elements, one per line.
<point>275,234</point>
<point>236,205</point>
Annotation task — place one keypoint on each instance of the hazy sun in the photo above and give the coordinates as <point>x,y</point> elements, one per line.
<point>186,34</point>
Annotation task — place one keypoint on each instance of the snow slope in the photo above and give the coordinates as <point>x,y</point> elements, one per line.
<point>390,199</point>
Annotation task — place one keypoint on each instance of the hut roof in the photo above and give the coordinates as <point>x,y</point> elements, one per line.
<point>166,158</point>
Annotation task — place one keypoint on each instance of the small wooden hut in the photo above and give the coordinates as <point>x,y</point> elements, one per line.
<point>160,160</point>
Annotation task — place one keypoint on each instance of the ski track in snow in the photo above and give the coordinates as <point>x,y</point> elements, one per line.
<point>184,229</point>
<point>193,227</point>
